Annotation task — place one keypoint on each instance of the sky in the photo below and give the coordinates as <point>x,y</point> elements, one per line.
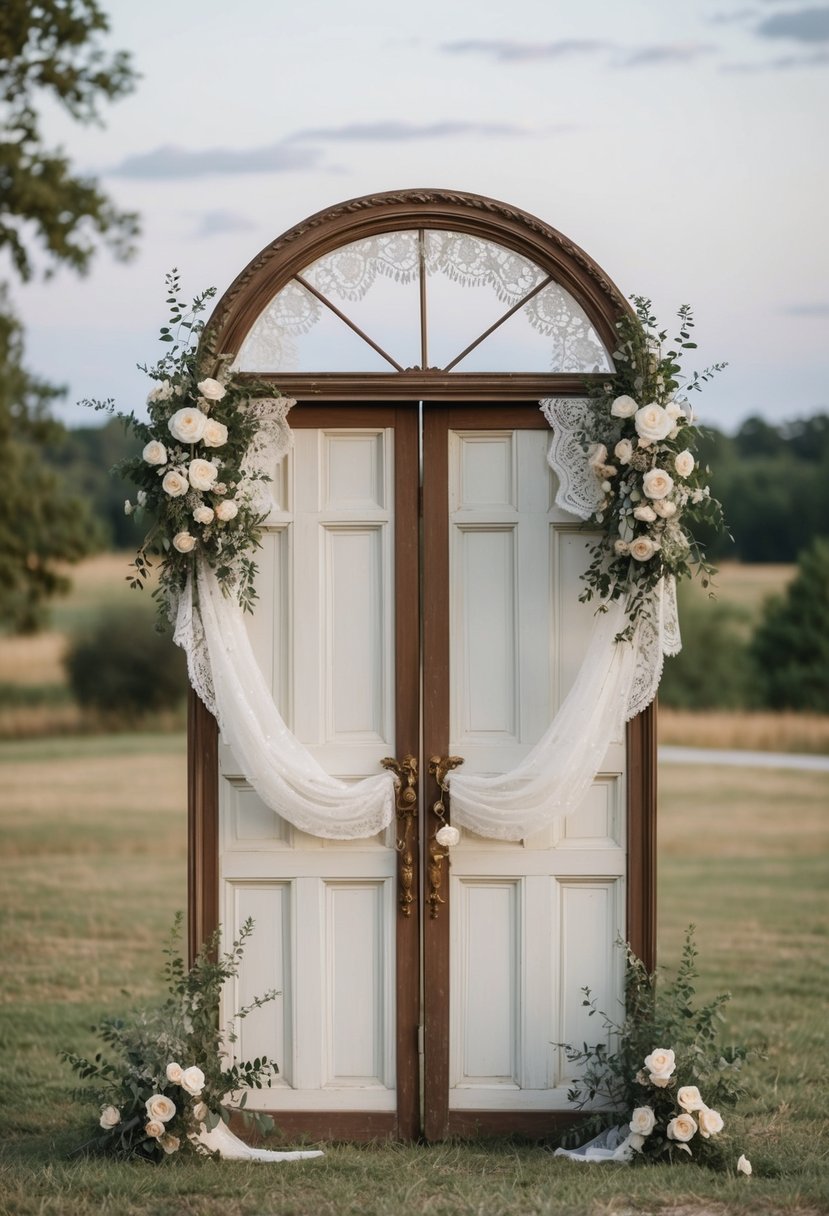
<point>684,147</point>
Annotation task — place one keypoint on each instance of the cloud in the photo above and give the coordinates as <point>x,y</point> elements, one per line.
<point>804,25</point>
<point>213,223</point>
<point>820,309</point>
<point>172,162</point>
<point>506,51</point>
<point>677,52</point>
<point>395,132</point>
<point>781,64</point>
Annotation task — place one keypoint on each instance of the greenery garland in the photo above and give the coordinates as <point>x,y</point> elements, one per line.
<point>641,443</point>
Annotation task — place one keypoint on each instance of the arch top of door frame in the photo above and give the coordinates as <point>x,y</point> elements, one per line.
<point>392,211</point>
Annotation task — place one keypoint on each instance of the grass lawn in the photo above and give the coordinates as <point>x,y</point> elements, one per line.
<point>93,869</point>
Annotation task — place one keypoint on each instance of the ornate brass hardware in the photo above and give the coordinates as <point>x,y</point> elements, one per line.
<point>440,768</point>
<point>405,772</point>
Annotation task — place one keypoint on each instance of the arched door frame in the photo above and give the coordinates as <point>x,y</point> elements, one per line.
<point>234,316</point>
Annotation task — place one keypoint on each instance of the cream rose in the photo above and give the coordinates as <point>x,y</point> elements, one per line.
<point>175,484</point>
<point>187,425</point>
<point>743,1165</point>
<point>689,1098</point>
<point>623,451</point>
<point>684,463</point>
<point>174,1072</point>
<point>447,836</point>
<point>621,547</point>
<point>184,542</point>
<point>200,1111</point>
<point>211,389</point>
<point>661,1062</point>
<point>673,409</point>
<point>202,474</point>
<point>646,513</point>
<point>110,1117</point>
<point>192,1080</point>
<point>664,507</point>
<point>641,549</point>
<point>682,1128</point>
<point>160,1108</point>
<point>642,1121</point>
<point>710,1122</point>
<point>623,407</point>
<point>215,434</point>
<point>652,423</point>
<point>161,392</point>
<point>154,452</point>
<point>154,1128</point>
<point>657,483</point>
<point>203,515</point>
<point>169,1142</point>
<point>226,510</point>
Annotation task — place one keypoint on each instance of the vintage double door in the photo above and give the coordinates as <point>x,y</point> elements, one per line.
<point>419,600</point>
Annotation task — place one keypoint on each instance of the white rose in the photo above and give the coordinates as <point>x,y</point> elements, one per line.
<point>673,409</point>
<point>641,549</point>
<point>154,1128</point>
<point>623,407</point>
<point>689,1098</point>
<point>169,1142</point>
<point>635,1141</point>
<point>684,463</point>
<point>661,1062</point>
<point>643,1121</point>
<point>154,452</point>
<point>710,1122</point>
<point>110,1117</point>
<point>160,1107</point>
<point>184,542</point>
<point>203,515</point>
<point>621,547</point>
<point>743,1165</point>
<point>161,392</point>
<point>664,507</point>
<point>187,425</point>
<point>682,1128</point>
<point>447,836</point>
<point>652,422</point>
<point>646,513</point>
<point>657,483</point>
<point>623,451</point>
<point>174,1073</point>
<point>215,434</point>
<point>192,1080</point>
<point>128,507</point>
<point>211,389</point>
<point>200,1111</point>
<point>175,484</point>
<point>202,474</point>
<point>226,510</point>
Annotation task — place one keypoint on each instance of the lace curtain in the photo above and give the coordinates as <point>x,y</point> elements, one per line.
<point>616,681</point>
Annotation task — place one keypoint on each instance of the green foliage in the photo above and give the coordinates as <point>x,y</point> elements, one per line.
<point>713,670</point>
<point>639,431</point>
<point>50,50</point>
<point>790,648</point>
<point>151,1049</point>
<point>123,667</point>
<point>657,1020</point>
<point>41,524</point>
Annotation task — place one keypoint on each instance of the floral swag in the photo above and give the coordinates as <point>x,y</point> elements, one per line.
<point>626,466</point>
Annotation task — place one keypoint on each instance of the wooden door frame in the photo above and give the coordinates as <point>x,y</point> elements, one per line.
<point>438,1120</point>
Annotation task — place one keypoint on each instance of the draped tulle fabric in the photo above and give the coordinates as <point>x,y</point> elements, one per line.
<point>229,1147</point>
<point>615,1144</point>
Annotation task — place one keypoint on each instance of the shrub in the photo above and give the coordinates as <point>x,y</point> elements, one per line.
<point>790,648</point>
<point>121,666</point>
<point>713,669</point>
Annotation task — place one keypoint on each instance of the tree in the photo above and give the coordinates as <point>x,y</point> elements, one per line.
<point>790,648</point>
<point>50,50</point>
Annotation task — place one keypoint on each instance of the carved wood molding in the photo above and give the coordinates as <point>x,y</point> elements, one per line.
<point>372,214</point>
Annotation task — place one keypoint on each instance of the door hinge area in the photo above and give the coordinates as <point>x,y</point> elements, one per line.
<point>421,1041</point>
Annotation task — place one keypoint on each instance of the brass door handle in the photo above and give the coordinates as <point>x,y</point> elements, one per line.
<point>440,768</point>
<point>405,772</point>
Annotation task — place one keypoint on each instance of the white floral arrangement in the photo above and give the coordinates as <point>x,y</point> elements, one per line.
<point>625,1083</point>
<point>641,442</point>
<point>170,1074</point>
<point>196,482</point>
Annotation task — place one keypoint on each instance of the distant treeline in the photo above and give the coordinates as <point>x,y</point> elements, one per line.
<point>773,482</point>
